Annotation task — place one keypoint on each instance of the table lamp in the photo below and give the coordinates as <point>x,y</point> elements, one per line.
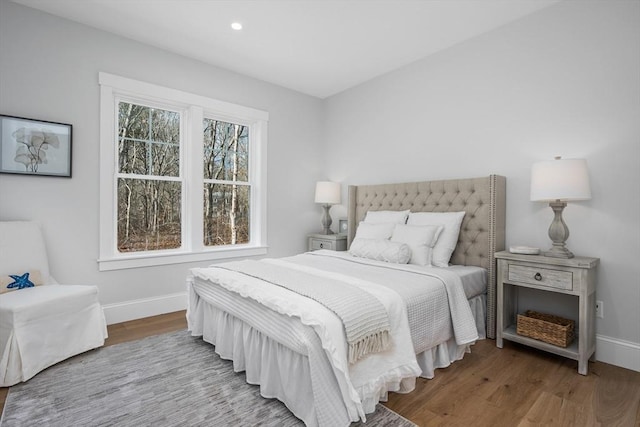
<point>327,193</point>
<point>559,181</point>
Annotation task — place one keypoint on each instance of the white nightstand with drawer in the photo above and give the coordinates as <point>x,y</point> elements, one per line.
<point>573,276</point>
<point>333,242</point>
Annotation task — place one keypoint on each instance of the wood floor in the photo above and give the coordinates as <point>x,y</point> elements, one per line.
<point>513,386</point>
<point>520,386</point>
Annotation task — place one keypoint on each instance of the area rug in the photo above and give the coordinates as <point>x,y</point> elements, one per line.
<point>166,380</point>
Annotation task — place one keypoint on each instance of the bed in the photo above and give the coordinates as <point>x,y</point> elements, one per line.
<point>286,342</point>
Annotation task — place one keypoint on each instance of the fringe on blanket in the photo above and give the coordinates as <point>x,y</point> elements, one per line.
<point>380,341</point>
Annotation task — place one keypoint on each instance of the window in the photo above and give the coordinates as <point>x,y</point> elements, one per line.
<point>226,183</point>
<point>182,177</point>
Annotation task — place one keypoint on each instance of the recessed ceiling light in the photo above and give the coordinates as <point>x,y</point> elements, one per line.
<point>236,26</point>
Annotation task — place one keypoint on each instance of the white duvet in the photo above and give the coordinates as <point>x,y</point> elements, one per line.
<point>370,378</point>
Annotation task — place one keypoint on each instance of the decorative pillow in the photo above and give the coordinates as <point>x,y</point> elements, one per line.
<point>12,282</point>
<point>374,231</point>
<point>448,239</point>
<point>379,217</point>
<point>420,238</point>
<point>381,250</point>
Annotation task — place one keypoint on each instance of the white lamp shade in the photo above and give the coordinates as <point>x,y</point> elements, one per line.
<point>328,192</point>
<point>560,179</point>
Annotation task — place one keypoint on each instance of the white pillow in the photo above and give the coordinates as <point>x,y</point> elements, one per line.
<point>420,238</point>
<point>374,231</point>
<point>20,278</point>
<point>381,250</point>
<point>378,217</point>
<point>448,239</point>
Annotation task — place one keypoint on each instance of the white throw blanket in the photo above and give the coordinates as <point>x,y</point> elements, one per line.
<point>464,325</point>
<point>365,319</point>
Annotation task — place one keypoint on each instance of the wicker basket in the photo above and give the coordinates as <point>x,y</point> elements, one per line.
<point>546,327</point>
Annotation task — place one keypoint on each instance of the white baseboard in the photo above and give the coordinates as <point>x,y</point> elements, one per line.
<point>137,309</point>
<point>615,351</point>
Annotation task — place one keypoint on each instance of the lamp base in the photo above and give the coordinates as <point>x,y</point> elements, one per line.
<point>326,220</point>
<point>558,252</point>
<point>558,233</point>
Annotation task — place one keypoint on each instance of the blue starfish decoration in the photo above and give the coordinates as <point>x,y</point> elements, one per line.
<point>20,282</point>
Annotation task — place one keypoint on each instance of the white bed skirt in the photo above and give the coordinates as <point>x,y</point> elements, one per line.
<point>267,363</point>
<point>285,373</point>
<point>445,354</point>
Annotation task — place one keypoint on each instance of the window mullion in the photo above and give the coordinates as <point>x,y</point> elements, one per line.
<point>149,145</point>
<point>149,177</point>
<point>194,161</point>
<point>229,182</point>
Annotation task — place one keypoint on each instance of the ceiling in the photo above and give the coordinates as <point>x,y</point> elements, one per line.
<point>317,47</point>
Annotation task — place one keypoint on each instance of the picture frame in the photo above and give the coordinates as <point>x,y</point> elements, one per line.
<point>35,147</point>
<point>343,226</point>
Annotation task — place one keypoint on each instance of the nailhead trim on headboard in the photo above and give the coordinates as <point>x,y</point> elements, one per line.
<point>482,231</point>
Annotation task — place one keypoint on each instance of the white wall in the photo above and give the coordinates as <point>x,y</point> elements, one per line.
<point>564,81</point>
<point>49,70</point>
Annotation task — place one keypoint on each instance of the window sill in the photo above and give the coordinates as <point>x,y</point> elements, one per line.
<point>150,260</point>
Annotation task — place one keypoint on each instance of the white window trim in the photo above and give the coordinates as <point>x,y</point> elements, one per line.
<point>196,107</point>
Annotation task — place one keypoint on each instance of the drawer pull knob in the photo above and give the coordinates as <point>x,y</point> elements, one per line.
<point>538,276</point>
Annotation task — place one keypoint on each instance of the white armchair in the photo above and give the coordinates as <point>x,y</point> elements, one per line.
<point>41,325</point>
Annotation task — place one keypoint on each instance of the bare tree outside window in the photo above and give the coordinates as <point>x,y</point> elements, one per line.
<point>149,185</point>
<point>226,183</point>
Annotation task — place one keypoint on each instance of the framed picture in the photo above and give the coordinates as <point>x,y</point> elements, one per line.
<point>342,226</point>
<point>34,147</point>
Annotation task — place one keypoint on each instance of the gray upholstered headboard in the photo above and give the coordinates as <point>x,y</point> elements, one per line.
<point>482,231</point>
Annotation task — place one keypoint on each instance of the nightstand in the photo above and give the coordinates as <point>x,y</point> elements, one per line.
<point>573,276</point>
<point>334,242</point>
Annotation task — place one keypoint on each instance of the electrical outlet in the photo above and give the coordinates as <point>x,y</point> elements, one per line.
<point>599,309</point>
